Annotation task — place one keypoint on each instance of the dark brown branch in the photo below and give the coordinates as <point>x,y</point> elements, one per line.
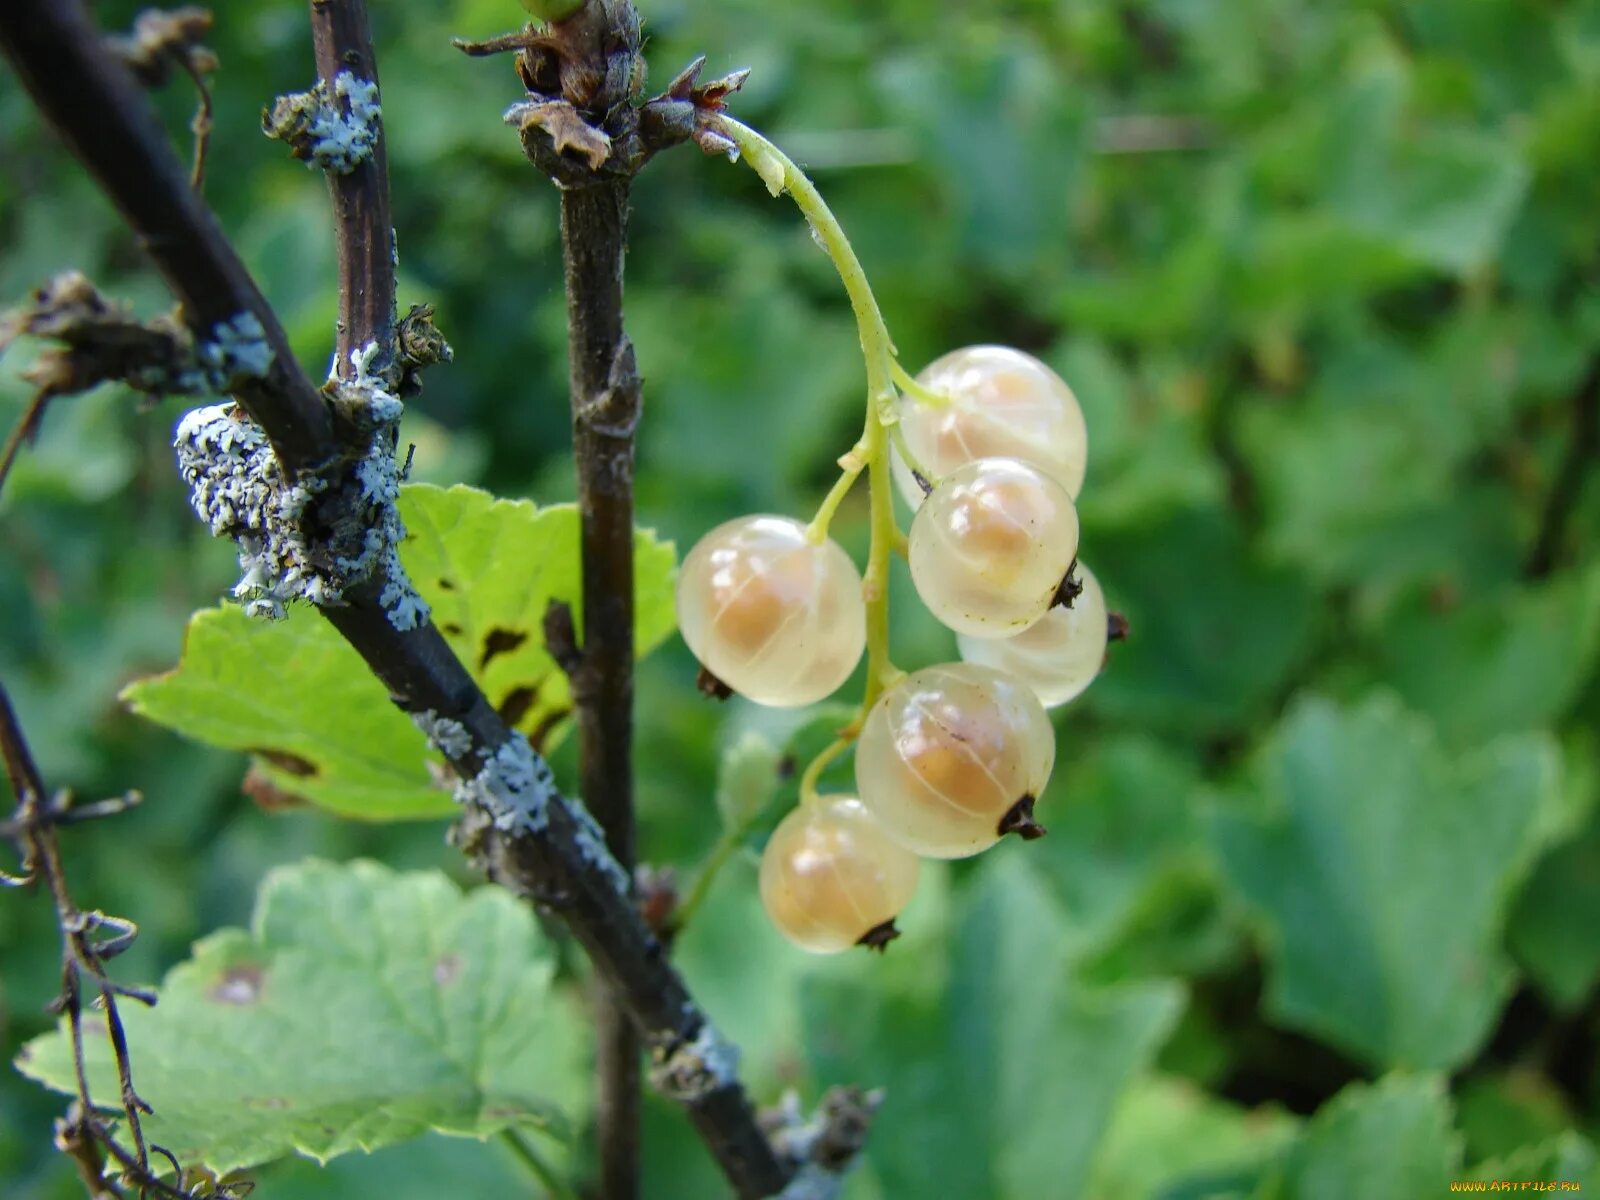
<point>109,124</point>
<point>363,227</point>
<point>102,113</point>
<point>604,385</point>
<point>1578,466</point>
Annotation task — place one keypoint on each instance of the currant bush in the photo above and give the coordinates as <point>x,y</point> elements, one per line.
<point>832,877</point>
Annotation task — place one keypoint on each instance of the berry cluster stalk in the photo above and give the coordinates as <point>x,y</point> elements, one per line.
<point>871,452</point>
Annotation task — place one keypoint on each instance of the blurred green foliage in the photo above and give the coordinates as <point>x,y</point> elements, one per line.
<point>1318,912</point>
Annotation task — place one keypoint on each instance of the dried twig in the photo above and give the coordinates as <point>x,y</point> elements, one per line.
<point>162,39</point>
<point>99,341</point>
<point>89,940</point>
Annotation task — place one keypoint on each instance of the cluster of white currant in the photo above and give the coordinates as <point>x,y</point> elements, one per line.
<point>989,449</point>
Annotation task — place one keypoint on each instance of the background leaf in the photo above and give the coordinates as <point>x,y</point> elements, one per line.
<point>1382,870</point>
<point>965,1072</point>
<point>1389,1141</point>
<point>363,1008</point>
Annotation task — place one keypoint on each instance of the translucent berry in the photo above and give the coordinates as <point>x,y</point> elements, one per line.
<point>776,617</point>
<point>1002,404</point>
<point>952,756</point>
<point>830,875</point>
<point>991,545</point>
<point>1059,655</point>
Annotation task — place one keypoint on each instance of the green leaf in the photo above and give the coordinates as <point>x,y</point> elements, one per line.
<point>1166,1134</point>
<point>297,697</point>
<point>1123,856</point>
<point>1443,195</point>
<point>1215,632</point>
<point>971,1071</point>
<point>1567,1158</point>
<point>1552,926</point>
<point>1501,1112</point>
<point>362,1008</point>
<point>1374,845</point>
<point>321,726</point>
<point>1499,664</point>
<point>1148,455</point>
<point>1390,1140</point>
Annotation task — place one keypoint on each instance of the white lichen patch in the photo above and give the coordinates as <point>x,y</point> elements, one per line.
<point>365,398</point>
<point>449,737</point>
<point>514,787</point>
<point>592,848</point>
<point>692,1070</point>
<point>342,131</point>
<point>238,487</point>
<point>236,353</point>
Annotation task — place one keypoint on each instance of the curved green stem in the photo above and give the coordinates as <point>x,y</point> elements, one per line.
<point>850,465</point>
<point>814,769</point>
<point>780,175</point>
<point>726,845</point>
<point>909,385</point>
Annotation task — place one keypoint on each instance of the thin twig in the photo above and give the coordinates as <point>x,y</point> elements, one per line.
<point>201,125</point>
<point>83,1134</point>
<point>110,126</point>
<point>27,425</point>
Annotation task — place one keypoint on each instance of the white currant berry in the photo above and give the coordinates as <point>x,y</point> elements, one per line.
<point>991,545</point>
<point>831,875</point>
<point>1002,404</point>
<point>775,616</point>
<point>1059,655</point>
<point>952,757</point>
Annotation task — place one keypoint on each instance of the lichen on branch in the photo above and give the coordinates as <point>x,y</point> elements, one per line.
<point>336,129</point>
<point>314,536</point>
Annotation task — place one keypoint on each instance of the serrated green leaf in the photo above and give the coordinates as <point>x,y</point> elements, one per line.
<point>1498,664</point>
<point>1501,1112</point>
<point>1167,1135</point>
<point>1386,1141</point>
<point>362,1008</point>
<point>1568,1158</point>
<point>321,726</point>
<point>1382,870</point>
<point>1002,1085</point>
